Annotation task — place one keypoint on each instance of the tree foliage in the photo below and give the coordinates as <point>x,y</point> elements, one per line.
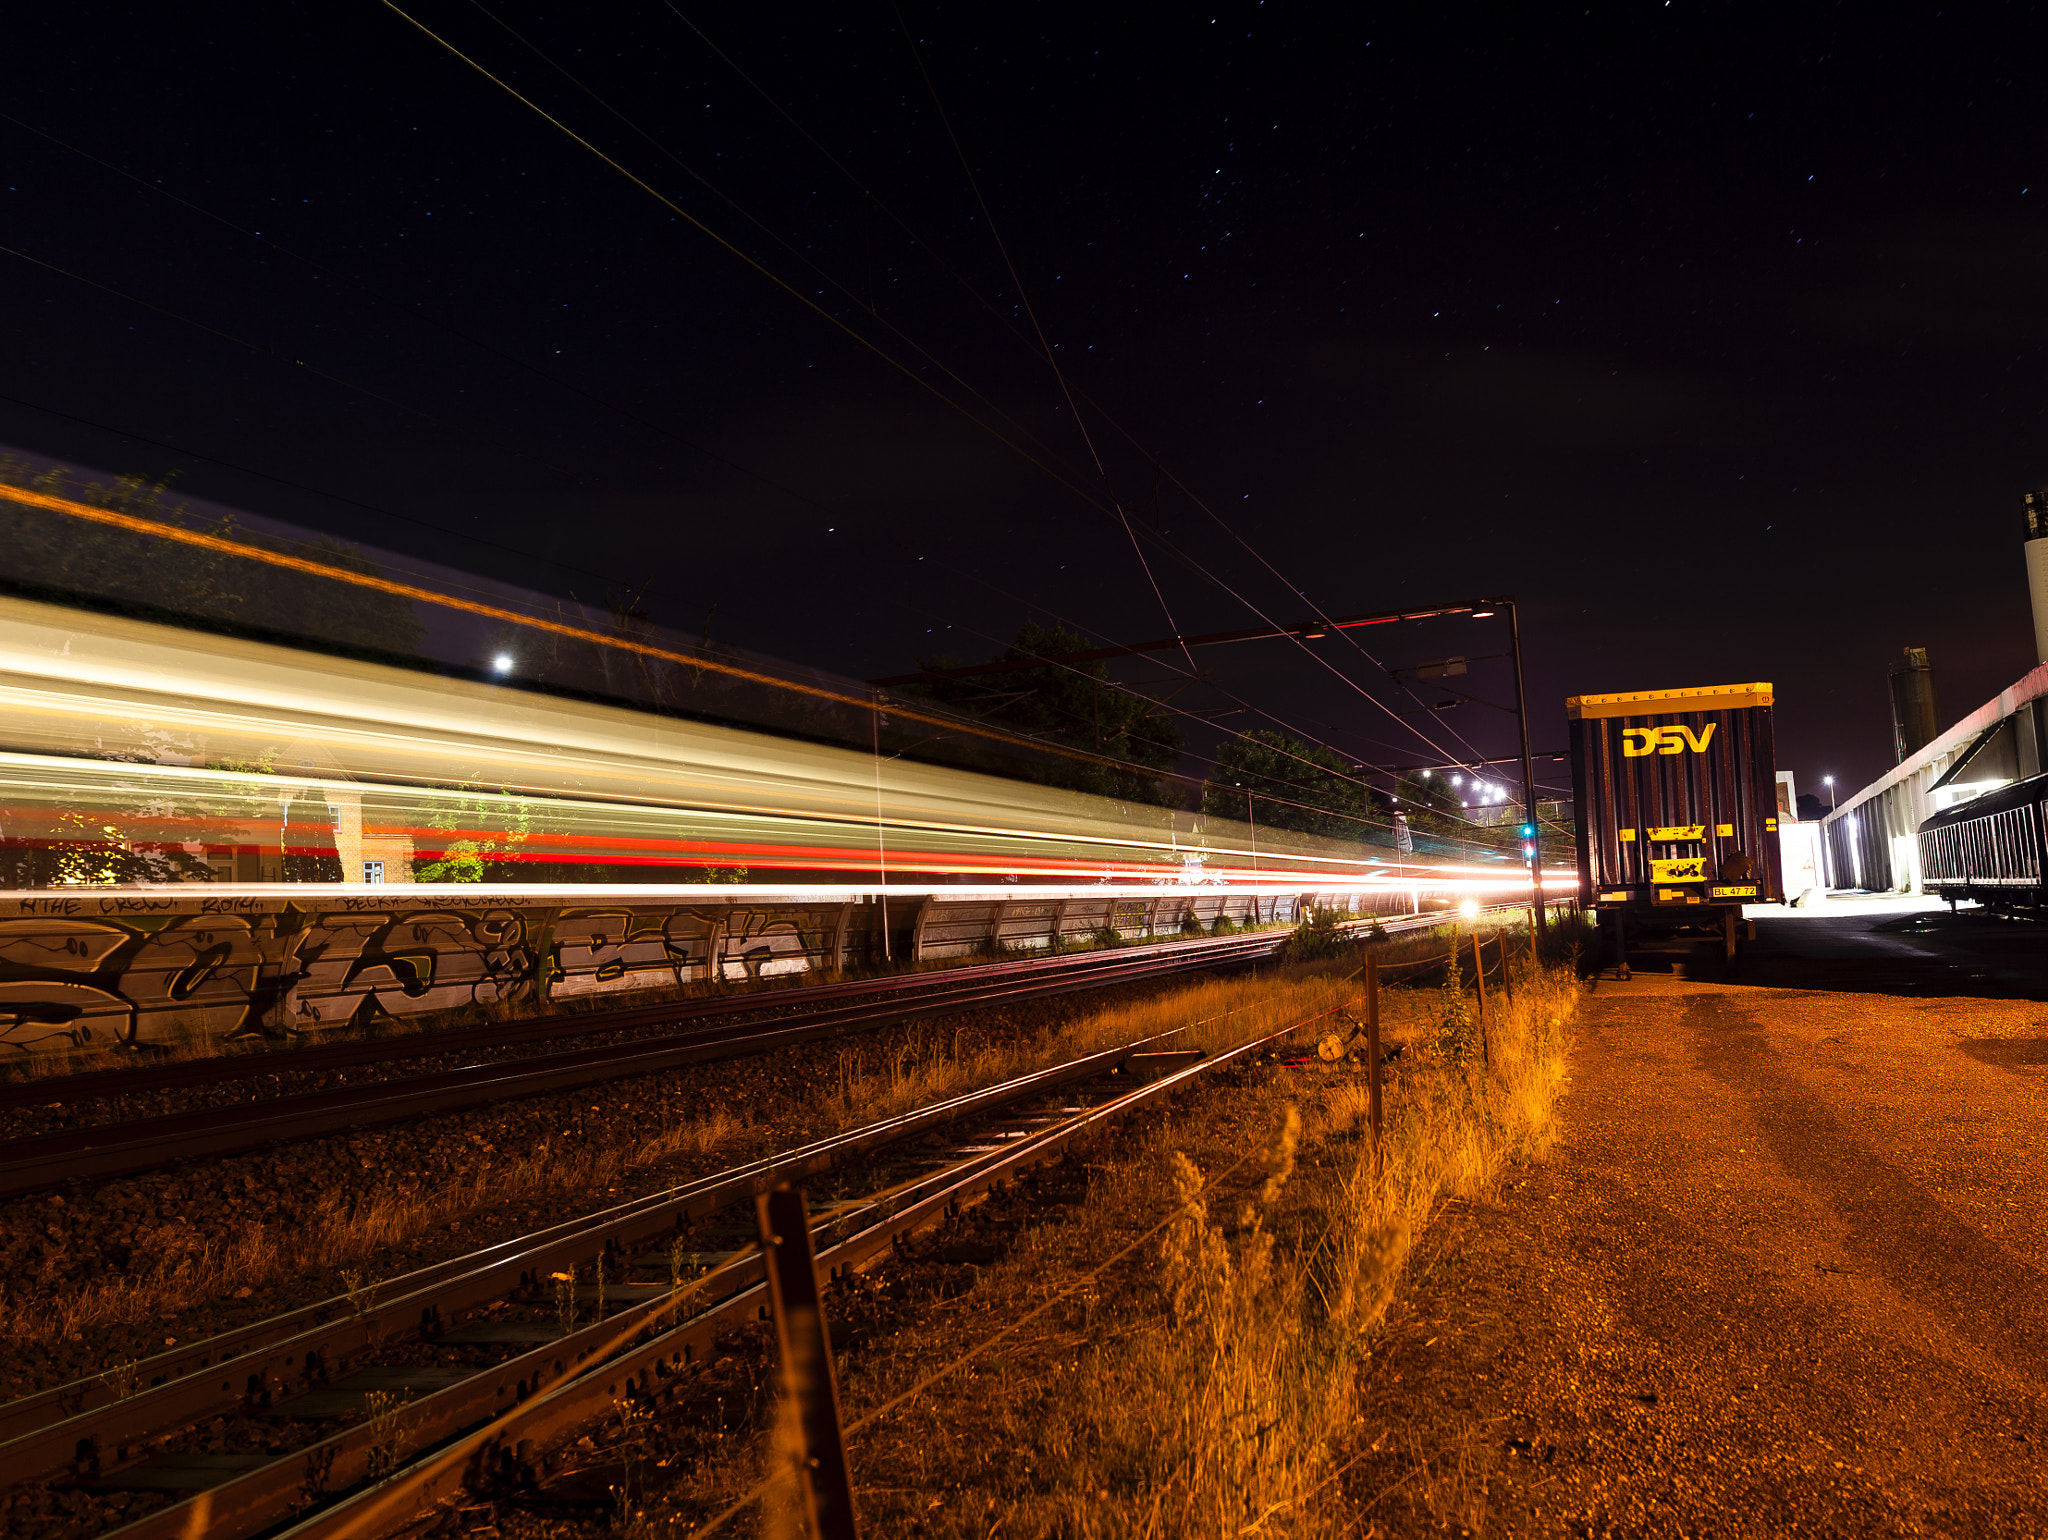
<point>1071,704</point>
<point>1279,782</point>
<point>57,556</point>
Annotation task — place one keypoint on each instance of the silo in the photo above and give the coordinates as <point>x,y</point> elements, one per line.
<point>2037,568</point>
<point>1913,717</point>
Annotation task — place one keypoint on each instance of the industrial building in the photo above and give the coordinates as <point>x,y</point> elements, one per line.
<point>1869,837</point>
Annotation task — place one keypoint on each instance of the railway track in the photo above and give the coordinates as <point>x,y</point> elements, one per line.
<point>121,1148</point>
<point>353,1415</point>
<point>98,1085</point>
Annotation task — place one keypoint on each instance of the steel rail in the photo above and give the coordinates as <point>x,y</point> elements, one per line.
<point>123,1148</point>
<point>98,1085</point>
<point>620,1360</point>
<point>70,1426</point>
<point>321,1336</point>
<point>115,1149</point>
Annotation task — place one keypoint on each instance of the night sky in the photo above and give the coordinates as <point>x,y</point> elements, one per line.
<point>1715,334</point>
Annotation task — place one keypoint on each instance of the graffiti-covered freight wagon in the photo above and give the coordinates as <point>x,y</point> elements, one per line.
<point>1677,804</point>
<point>107,967</point>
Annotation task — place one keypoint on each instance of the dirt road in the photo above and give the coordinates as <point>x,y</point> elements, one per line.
<point>1786,1273</point>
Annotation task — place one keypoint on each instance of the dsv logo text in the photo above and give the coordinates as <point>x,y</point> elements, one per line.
<point>1638,741</point>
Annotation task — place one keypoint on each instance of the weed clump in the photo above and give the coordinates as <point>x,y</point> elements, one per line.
<point>1457,1022</point>
<point>1316,939</point>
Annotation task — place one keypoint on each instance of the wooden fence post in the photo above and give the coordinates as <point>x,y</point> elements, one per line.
<point>1479,983</point>
<point>823,1480</point>
<point>1372,1048</point>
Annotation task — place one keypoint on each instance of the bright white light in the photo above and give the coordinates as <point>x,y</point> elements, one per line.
<point>1469,909</point>
<point>1827,780</point>
<point>502,663</point>
<point>1457,780</point>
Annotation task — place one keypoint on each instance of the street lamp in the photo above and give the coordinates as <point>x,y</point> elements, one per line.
<point>1829,782</point>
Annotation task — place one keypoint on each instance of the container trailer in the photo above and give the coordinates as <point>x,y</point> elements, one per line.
<point>1677,808</point>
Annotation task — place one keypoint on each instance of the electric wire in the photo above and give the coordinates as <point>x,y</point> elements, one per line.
<point>1022,429</point>
<point>988,220</point>
<point>1275,748</point>
<point>867,343</point>
<point>995,311</point>
<point>412,311</point>
<point>692,220</point>
<point>1052,360</point>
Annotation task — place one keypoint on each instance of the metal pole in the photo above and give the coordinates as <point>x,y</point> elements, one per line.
<point>881,839</point>
<point>1528,770</point>
<point>823,1481</point>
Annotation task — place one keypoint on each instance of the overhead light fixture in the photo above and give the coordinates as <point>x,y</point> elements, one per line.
<point>1482,614</point>
<point>1314,633</point>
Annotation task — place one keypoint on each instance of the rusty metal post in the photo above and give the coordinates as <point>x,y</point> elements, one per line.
<point>1479,984</point>
<point>805,1353</point>
<point>1372,1048</point>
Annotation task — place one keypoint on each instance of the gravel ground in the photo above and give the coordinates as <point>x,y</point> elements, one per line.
<point>1783,1276</point>
<point>53,1245</point>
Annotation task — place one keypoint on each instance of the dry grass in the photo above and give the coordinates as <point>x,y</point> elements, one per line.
<point>1208,1385</point>
<point>1211,1014</point>
<point>176,1269</point>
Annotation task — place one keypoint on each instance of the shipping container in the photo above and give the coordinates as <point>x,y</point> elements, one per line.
<point>1677,803</point>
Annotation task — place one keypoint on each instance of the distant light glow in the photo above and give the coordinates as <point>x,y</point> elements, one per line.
<point>502,663</point>
<point>1469,908</point>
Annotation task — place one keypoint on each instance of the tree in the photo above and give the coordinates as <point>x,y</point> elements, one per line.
<point>1277,781</point>
<point>1072,704</point>
<point>55,556</point>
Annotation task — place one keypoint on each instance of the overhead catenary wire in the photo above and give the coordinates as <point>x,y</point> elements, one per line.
<point>1233,732</point>
<point>867,343</point>
<point>412,311</point>
<point>1066,387</point>
<point>1053,361</point>
<point>807,301</point>
<point>92,514</point>
<point>1023,430</point>
<point>1070,393</point>
<point>1023,298</point>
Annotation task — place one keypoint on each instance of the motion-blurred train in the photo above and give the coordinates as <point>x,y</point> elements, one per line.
<point>139,754</point>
